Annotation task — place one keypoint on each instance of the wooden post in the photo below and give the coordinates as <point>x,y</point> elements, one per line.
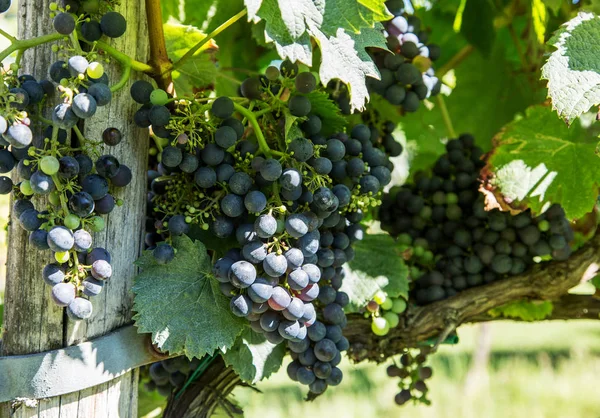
<point>32,322</point>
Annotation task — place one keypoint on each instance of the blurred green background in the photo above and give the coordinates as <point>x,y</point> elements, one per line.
<point>542,370</point>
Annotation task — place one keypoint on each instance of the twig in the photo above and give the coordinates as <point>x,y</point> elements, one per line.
<point>204,41</point>
<point>446,116</point>
<point>454,61</point>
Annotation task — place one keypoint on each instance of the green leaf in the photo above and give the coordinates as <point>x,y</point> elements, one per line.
<point>341,28</point>
<point>170,8</point>
<point>197,72</point>
<point>207,15</point>
<point>253,357</point>
<point>553,5</point>
<point>344,57</point>
<point>540,18</point>
<point>211,242</point>
<point>477,106</point>
<point>181,304</point>
<point>292,131</point>
<point>527,311</point>
<point>328,111</point>
<point>573,69</point>
<point>377,265</point>
<point>538,160</point>
<point>478,24</point>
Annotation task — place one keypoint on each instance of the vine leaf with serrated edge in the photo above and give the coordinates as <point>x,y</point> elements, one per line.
<point>377,265</point>
<point>181,304</point>
<point>573,69</point>
<point>342,29</point>
<point>254,358</point>
<point>538,160</point>
<point>199,71</point>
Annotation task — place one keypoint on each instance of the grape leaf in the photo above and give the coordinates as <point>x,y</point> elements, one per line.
<point>341,28</point>
<point>181,305</point>
<point>478,24</point>
<point>573,69</point>
<point>211,242</point>
<point>169,8</point>
<point>197,72</point>
<point>331,117</point>
<point>377,265</point>
<point>253,357</point>
<point>527,311</point>
<point>540,18</point>
<point>538,160</point>
<point>553,5</point>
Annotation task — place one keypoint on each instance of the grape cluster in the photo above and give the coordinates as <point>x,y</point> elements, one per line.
<point>406,73</point>
<point>441,219</point>
<point>168,375</point>
<point>92,18</point>
<point>412,373</point>
<point>291,206</point>
<point>53,159</point>
<point>384,312</point>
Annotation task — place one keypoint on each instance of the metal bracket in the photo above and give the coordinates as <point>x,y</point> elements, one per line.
<point>74,368</point>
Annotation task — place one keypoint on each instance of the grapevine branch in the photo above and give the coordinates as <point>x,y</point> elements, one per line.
<point>159,59</point>
<point>549,281</point>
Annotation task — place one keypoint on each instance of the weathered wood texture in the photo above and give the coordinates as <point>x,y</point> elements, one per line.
<point>32,322</point>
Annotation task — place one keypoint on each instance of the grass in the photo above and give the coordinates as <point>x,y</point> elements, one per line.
<point>535,371</point>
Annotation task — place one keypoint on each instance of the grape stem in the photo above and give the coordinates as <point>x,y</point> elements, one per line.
<point>454,61</point>
<point>122,58</point>
<point>24,44</point>
<point>12,39</point>
<point>262,142</point>
<point>207,39</point>
<point>446,116</point>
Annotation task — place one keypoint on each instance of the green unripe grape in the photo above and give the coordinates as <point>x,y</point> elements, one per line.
<point>380,326</point>
<point>451,199</point>
<point>403,248</point>
<point>72,221</point>
<point>380,297</point>
<point>427,257</point>
<point>54,198</point>
<point>405,239</point>
<point>14,67</point>
<point>25,188</point>
<point>53,7</point>
<point>95,70</point>
<point>418,251</point>
<point>387,304</point>
<point>399,306</point>
<point>415,272</point>
<point>97,224</point>
<point>49,165</point>
<point>152,151</point>
<point>392,319</point>
<point>205,227</point>
<point>159,97</point>
<point>62,256</point>
<point>544,225</point>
